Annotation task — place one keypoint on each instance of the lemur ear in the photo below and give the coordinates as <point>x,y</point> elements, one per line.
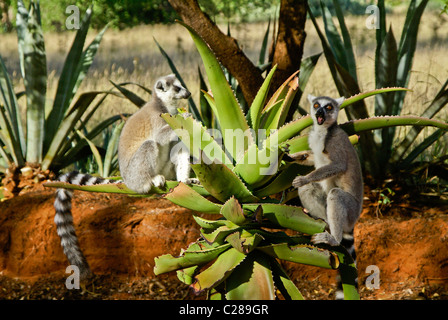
<point>340,100</point>
<point>160,85</point>
<point>311,98</point>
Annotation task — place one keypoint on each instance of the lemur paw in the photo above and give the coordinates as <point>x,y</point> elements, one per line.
<point>158,181</point>
<point>299,182</point>
<point>191,181</point>
<point>324,237</point>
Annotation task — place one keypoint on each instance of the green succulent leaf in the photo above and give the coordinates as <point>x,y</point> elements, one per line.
<point>228,111</point>
<point>289,217</point>
<point>284,283</point>
<point>302,253</point>
<point>187,197</point>
<point>251,280</point>
<point>196,254</point>
<point>223,266</point>
<point>232,211</point>
<point>222,183</point>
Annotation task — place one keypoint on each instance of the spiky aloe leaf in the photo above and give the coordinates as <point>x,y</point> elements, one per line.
<point>222,183</point>
<point>259,101</point>
<point>120,187</point>
<point>355,126</point>
<point>11,133</point>
<point>232,211</point>
<point>187,197</point>
<point>203,147</point>
<point>289,217</point>
<point>282,181</point>
<point>302,253</point>
<point>284,283</point>
<point>219,270</point>
<point>251,280</point>
<point>348,273</point>
<point>245,241</point>
<point>276,118</point>
<point>229,113</point>
<point>34,71</point>
<point>196,254</point>
<point>68,81</point>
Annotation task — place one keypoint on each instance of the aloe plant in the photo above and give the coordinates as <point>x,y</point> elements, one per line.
<point>237,255</point>
<point>393,65</point>
<point>49,135</point>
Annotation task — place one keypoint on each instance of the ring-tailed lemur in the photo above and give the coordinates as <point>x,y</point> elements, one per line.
<point>144,159</point>
<point>334,190</point>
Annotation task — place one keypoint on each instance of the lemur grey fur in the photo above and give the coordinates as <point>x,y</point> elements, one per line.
<point>334,190</point>
<point>144,158</point>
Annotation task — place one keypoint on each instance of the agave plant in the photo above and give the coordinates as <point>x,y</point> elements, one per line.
<point>393,64</point>
<point>244,181</point>
<point>49,137</point>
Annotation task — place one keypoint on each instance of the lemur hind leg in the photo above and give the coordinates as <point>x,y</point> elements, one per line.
<point>342,212</point>
<point>313,199</point>
<point>143,178</point>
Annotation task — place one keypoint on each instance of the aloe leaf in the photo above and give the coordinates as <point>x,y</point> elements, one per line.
<point>187,275</point>
<point>193,108</point>
<point>334,39</point>
<point>348,48</point>
<point>120,187</point>
<point>67,126</point>
<point>219,270</point>
<point>203,147</point>
<point>112,148</point>
<point>302,253</point>
<point>34,71</point>
<point>188,198</point>
<point>206,111</point>
<point>284,283</point>
<point>282,181</point>
<point>222,183</point>
<point>348,273</point>
<point>131,96</point>
<point>95,152</point>
<point>422,147</point>
<point>229,113</point>
<point>356,126</point>
<point>260,99</point>
<point>190,257</point>
<point>245,241</point>
<point>10,121</point>
<point>251,280</point>
<point>212,224</point>
<point>436,105</point>
<point>232,211</point>
<point>289,217</point>
<point>264,44</point>
<point>276,118</point>
<point>220,234</point>
<point>67,81</point>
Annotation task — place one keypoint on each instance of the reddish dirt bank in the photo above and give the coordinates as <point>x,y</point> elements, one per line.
<point>121,236</point>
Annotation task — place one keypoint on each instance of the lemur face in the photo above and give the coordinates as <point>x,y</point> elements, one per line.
<point>324,110</point>
<point>169,90</point>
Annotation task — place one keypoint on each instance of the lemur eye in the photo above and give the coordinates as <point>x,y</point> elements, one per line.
<point>329,107</point>
<point>176,89</point>
<point>316,105</point>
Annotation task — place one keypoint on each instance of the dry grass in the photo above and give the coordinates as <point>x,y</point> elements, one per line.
<point>131,55</point>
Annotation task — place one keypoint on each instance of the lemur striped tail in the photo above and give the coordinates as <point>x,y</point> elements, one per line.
<point>64,220</point>
<point>348,242</point>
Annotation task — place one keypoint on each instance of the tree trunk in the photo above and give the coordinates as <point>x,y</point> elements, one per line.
<point>288,49</point>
